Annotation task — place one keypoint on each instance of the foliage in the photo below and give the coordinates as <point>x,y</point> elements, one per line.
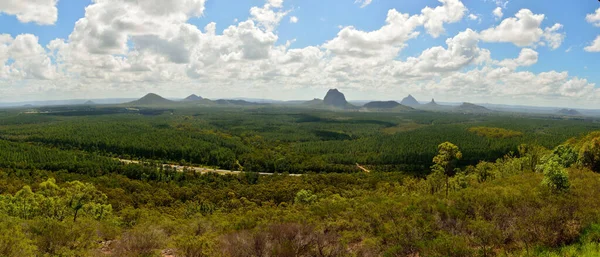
<point>63,193</point>
<point>555,176</point>
<point>444,162</point>
<point>305,197</point>
<point>56,203</point>
<point>495,132</point>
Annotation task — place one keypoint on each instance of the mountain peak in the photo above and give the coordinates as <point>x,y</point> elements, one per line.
<point>192,98</point>
<point>410,101</point>
<point>569,112</point>
<point>335,98</point>
<point>151,99</point>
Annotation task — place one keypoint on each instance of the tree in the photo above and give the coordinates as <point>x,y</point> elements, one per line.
<point>445,161</point>
<point>566,155</point>
<point>589,155</point>
<point>555,176</point>
<point>305,197</point>
<point>80,195</point>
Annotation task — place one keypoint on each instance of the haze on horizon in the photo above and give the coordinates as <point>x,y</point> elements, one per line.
<point>519,53</point>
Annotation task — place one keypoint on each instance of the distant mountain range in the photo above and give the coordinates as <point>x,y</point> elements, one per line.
<point>334,99</point>
<point>569,112</point>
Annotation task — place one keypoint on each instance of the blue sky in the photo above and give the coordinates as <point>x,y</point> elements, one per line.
<point>319,22</point>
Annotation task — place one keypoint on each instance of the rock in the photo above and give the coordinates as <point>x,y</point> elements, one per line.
<point>335,98</point>
<point>410,101</point>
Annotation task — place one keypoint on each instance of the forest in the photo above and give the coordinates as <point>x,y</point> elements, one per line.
<point>410,183</point>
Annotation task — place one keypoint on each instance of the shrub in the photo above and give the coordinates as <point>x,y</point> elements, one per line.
<point>555,176</point>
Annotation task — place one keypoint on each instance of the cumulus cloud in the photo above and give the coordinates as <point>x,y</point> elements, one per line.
<point>527,57</point>
<point>450,11</point>
<point>30,60</point>
<point>524,30</point>
<point>473,17</point>
<point>498,13</point>
<point>594,18</point>
<point>267,16</point>
<point>553,37</point>
<point>594,47</point>
<point>43,12</point>
<point>293,19</point>
<point>387,41</point>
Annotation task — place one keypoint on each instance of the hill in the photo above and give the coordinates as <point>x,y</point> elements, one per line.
<point>569,112</point>
<point>235,102</point>
<point>410,101</point>
<point>472,108</point>
<point>151,99</point>
<point>432,103</point>
<point>381,105</point>
<point>335,98</point>
<point>89,102</point>
<point>314,102</point>
<point>192,98</point>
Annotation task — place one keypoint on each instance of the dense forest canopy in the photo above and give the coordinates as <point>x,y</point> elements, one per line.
<point>373,184</point>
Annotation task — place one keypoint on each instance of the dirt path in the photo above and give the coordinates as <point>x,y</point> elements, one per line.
<point>363,168</point>
<point>202,170</point>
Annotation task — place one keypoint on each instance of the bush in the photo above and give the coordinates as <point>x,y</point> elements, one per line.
<point>141,241</point>
<point>13,241</point>
<point>555,176</point>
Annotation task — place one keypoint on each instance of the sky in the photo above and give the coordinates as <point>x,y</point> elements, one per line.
<point>532,52</point>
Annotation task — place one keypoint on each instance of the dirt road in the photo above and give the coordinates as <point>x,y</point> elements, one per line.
<point>363,168</point>
<point>202,169</point>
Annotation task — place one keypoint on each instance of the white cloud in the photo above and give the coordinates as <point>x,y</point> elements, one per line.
<point>594,18</point>
<point>450,11</point>
<point>363,3</point>
<point>524,30</point>
<point>473,17</point>
<point>276,3</point>
<point>498,13</point>
<point>387,41</point>
<point>594,47</point>
<point>552,37</point>
<point>293,19</point>
<point>462,50</point>
<point>266,17</point>
<point>527,57</point>
<point>29,58</point>
<point>43,12</point>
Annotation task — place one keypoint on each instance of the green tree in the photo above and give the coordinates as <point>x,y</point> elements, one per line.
<point>25,203</point>
<point>79,195</point>
<point>305,197</point>
<point>555,176</point>
<point>589,154</point>
<point>445,161</point>
<point>566,155</point>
